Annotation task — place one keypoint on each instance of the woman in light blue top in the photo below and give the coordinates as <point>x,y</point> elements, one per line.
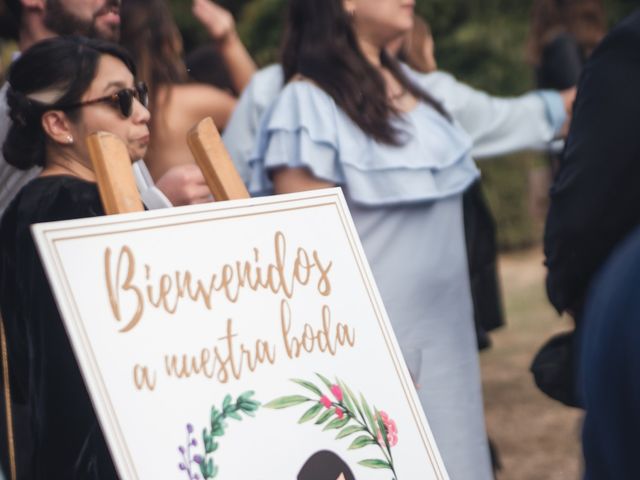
<point>349,115</point>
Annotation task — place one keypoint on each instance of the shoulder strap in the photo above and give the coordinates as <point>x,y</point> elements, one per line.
<point>7,400</point>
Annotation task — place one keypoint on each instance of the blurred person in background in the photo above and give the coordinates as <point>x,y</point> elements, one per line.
<point>563,34</point>
<point>38,20</point>
<point>595,199</point>
<point>399,143</point>
<point>151,35</point>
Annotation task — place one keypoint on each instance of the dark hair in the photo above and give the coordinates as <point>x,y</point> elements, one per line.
<point>150,34</point>
<point>585,20</point>
<point>320,44</point>
<point>68,64</point>
<point>15,8</point>
<point>205,65</point>
<point>323,465</point>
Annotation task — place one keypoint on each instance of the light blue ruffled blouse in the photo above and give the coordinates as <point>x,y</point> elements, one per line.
<point>406,203</point>
<point>305,128</point>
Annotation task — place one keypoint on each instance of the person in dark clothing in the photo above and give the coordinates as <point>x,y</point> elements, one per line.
<point>563,35</point>
<point>595,199</point>
<point>54,105</point>
<point>610,367</point>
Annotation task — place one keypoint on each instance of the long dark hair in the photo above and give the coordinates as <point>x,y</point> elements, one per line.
<point>65,64</point>
<point>151,35</point>
<point>320,44</point>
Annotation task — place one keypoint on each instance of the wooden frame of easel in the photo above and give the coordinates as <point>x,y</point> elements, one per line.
<point>119,194</point>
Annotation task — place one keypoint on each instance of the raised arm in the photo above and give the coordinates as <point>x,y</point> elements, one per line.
<point>498,125</point>
<point>221,27</point>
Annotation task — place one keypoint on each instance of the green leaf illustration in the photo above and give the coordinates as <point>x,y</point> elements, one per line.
<point>361,441</point>
<point>326,382</point>
<point>336,423</point>
<point>286,402</point>
<point>311,413</point>
<point>230,409</point>
<point>233,414</point>
<point>325,416</point>
<point>350,430</point>
<point>367,411</point>
<point>246,396</point>
<point>307,385</point>
<point>354,400</point>
<point>374,463</point>
<point>358,418</point>
<point>346,398</point>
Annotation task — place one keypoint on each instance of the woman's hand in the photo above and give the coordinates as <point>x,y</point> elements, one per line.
<point>222,29</point>
<point>219,22</point>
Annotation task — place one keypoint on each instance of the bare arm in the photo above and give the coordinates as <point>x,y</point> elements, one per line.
<point>198,101</point>
<point>290,180</point>
<point>221,27</point>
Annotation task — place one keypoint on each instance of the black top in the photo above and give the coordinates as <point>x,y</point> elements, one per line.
<point>610,362</point>
<point>561,63</point>
<point>64,439</point>
<point>595,198</point>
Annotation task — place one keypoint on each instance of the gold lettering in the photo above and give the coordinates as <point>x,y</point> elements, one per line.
<point>114,287</point>
<point>222,362</point>
<point>324,339</point>
<point>141,378</point>
<point>165,291</point>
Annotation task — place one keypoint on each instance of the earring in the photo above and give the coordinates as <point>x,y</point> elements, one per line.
<point>69,139</point>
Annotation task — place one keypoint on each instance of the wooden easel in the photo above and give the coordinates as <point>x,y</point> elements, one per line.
<point>117,185</point>
<point>119,194</point>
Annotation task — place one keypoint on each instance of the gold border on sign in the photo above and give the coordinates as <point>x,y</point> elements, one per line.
<point>359,260</point>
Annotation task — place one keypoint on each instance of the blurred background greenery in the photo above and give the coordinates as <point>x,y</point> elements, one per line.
<point>481,42</point>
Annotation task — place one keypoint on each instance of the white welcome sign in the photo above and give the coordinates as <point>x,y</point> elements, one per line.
<point>241,340</point>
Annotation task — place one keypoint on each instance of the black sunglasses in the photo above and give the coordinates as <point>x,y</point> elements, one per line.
<point>122,99</point>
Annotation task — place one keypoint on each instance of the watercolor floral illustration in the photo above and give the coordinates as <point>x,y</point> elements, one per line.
<point>201,465</point>
<point>334,406</point>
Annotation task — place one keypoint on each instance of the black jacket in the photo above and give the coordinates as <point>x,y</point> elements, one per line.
<point>57,431</point>
<point>595,198</point>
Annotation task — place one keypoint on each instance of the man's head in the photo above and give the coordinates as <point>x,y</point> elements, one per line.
<point>92,18</point>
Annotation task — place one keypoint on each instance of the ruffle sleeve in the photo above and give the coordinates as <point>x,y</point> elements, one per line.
<point>305,128</point>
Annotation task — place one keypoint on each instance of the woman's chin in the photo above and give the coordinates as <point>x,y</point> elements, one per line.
<point>137,153</point>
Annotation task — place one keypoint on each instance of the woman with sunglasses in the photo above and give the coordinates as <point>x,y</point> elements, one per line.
<point>61,90</point>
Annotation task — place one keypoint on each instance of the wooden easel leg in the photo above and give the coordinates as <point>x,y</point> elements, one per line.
<point>7,399</point>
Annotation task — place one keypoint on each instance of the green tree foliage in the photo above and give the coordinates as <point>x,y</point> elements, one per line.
<point>481,42</point>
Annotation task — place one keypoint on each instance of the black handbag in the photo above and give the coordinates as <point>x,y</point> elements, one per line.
<point>554,369</point>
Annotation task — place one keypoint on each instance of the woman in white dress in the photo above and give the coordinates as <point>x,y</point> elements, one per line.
<point>350,116</point>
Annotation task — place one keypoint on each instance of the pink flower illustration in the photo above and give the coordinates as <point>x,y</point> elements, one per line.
<point>325,401</point>
<point>339,413</point>
<point>337,392</point>
<point>391,428</point>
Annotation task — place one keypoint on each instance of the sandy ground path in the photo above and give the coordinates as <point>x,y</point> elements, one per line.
<point>537,438</point>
